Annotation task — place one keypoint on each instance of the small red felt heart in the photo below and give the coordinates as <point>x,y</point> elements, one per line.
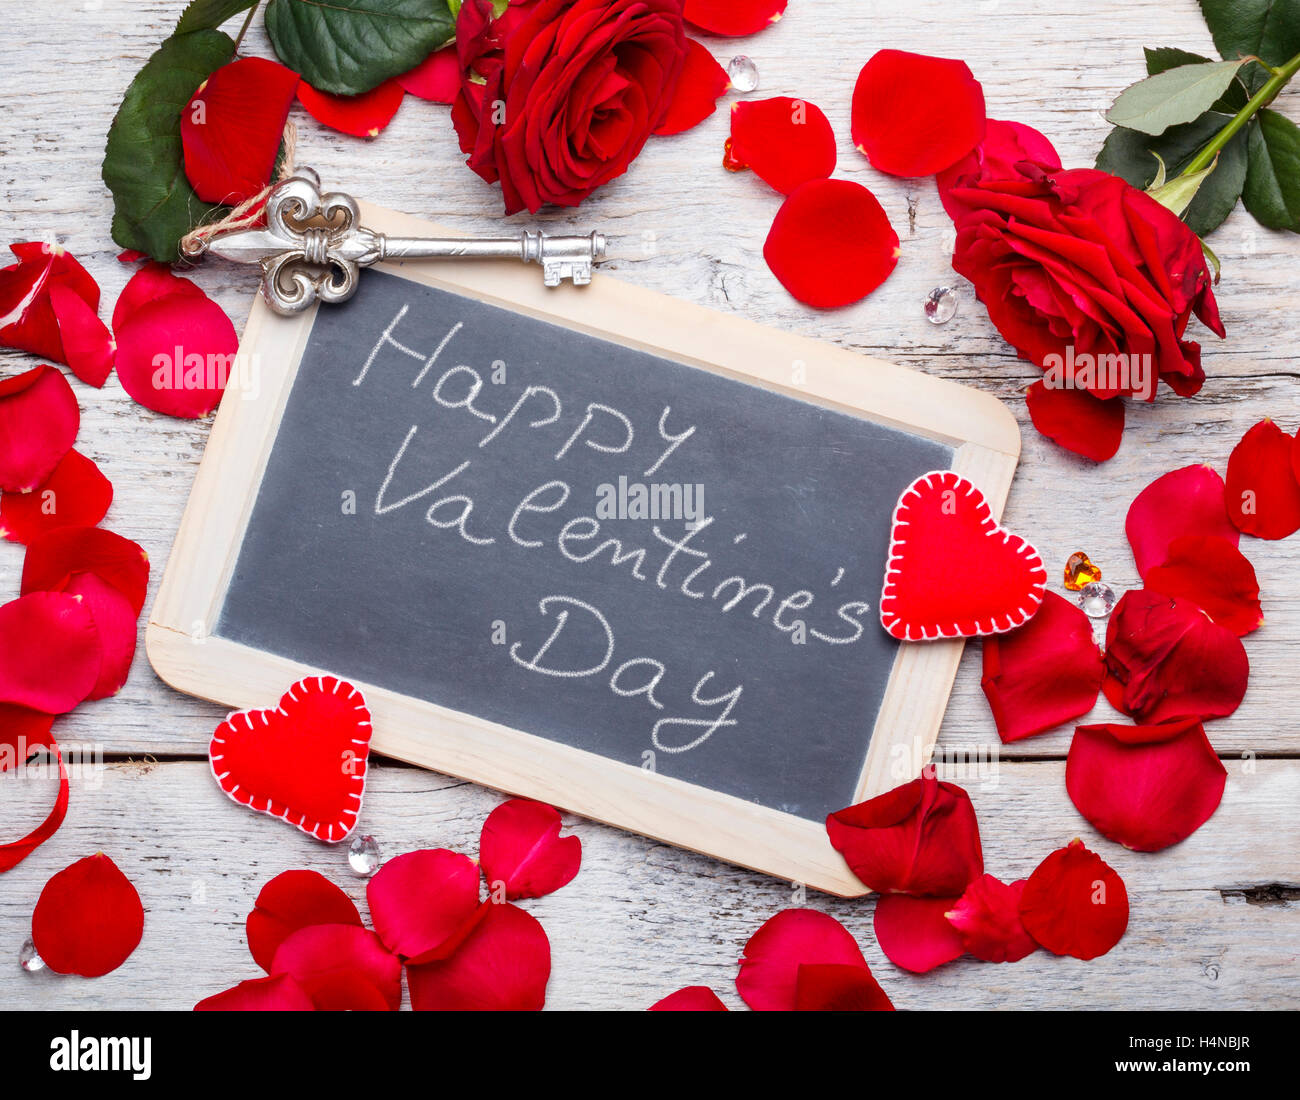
<point>304,761</point>
<point>952,571</point>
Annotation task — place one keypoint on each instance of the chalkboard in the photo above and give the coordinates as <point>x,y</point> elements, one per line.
<point>415,529</point>
<point>591,545</point>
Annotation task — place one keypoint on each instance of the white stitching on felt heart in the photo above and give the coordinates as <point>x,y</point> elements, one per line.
<point>318,829</point>
<point>891,621</point>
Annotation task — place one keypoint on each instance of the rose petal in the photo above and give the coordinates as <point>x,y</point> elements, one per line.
<point>54,558</point>
<point>363,115</point>
<point>920,838</point>
<point>831,243</point>
<point>436,78</point>
<point>521,847</point>
<point>769,967</point>
<point>987,918</point>
<point>23,731</point>
<point>76,494</point>
<point>50,652</point>
<point>272,994</point>
<point>1165,658</point>
<point>503,966</point>
<point>175,355</point>
<point>915,115</point>
<point>914,933</point>
<point>1007,151</point>
<point>785,141</point>
<point>88,346</point>
<point>1189,501</point>
<point>702,81</point>
<point>148,284</point>
<point>342,968</point>
<point>733,18</point>
<point>1076,420</point>
<point>15,851</point>
<point>1214,575</point>
<point>28,319</point>
<point>1145,787</point>
<point>420,901</point>
<point>1044,673</point>
<point>1075,904</point>
<point>115,624</point>
<point>88,918</point>
<point>293,900</point>
<point>694,998</point>
<point>839,987</point>
<point>232,127</point>
<point>1262,493</point>
<point>39,419</point>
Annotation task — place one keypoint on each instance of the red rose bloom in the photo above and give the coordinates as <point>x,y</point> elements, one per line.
<point>1077,268</point>
<point>558,97</point>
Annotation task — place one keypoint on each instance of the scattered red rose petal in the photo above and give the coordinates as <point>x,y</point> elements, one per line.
<point>1145,787</point>
<point>293,900</point>
<point>920,838</point>
<point>363,115</point>
<point>915,115</point>
<point>279,993</point>
<point>420,902</point>
<point>14,852</point>
<point>436,78</point>
<point>115,624</point>
<point>342,968</point>
<point>831,243</point>
<point>521,847</point>
<point>502,966</point>
<point>39,418</point>
<point>131,256</point>
<point>785,141</point>
<point>22,732</point>
<point>914,933</point>
<point>694,998</point>
<point>48,306</point>
<point>50,652</point>
<point>839,987</point>
<point>702,81</point>
<point>151,282</point>
<point>1008,150</point>
<point>88,346</point>
<point>733,18</point>
<point>88,918</point>
<point>1044,673</point>
<point>987,918</point>
<point>56,557</point>
<point>1189,501</point>
<point>1214,575</point>
<point>1165,658</point>
<point>76,494</point>
<point>1075,903</point>
<point>769,967</point>
<point>176,353</point>
<point>1076,420</point>
<point>1262,493</point>
<point>232,127</point>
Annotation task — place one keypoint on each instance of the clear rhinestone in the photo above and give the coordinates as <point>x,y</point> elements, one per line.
<point>743,73</point>
<point>940,305</point>
<point>29,960</point>
<point>363,855</point>
<point>1097,599</point>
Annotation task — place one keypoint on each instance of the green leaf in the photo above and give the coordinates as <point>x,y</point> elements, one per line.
<point>1163,58</point>
<point>1172,97</point>
<point>350,46</point>
<point>1269,29</point>
<point>154,204</point>
<point>1132,156</point>
<point>1272,191</point>
<point>205,15</point>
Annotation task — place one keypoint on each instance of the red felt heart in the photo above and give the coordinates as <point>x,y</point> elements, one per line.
<point>304,761</point>
<point>952,571</point>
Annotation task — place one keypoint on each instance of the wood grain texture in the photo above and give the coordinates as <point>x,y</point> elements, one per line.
<point>643,918</point>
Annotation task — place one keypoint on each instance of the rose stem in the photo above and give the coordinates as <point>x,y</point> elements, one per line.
<point>1261,98</point>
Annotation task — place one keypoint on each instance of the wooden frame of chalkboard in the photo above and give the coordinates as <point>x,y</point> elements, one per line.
<point>189,656</point>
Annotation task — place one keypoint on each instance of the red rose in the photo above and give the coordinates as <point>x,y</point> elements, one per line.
<point>1089,278</point>
<point>558,96</point>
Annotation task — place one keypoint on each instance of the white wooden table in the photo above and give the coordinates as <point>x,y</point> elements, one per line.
<point>1215,920</point>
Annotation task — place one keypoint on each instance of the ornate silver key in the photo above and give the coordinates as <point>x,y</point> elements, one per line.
<point>314,246</point>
